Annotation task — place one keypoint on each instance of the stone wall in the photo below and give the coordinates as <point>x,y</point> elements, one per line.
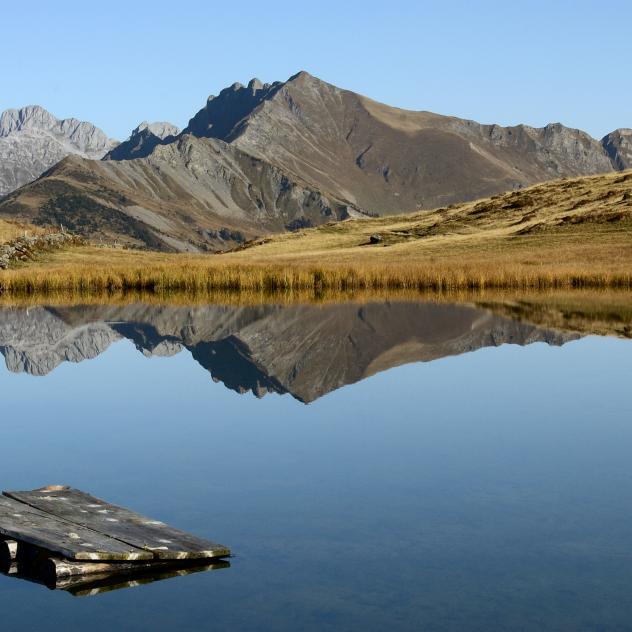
<point>27,247</point>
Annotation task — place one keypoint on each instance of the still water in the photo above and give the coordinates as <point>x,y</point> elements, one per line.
<point>401,466</point>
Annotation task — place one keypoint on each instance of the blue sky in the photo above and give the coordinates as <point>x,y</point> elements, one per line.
<point>117,63</point>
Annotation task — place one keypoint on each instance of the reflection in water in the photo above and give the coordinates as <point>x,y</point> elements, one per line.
<point>91,585</point>
<point>305,350</point>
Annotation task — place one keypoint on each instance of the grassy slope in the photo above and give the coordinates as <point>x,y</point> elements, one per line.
<point>563,223</point>
<point>564,233</point>
<point>12,230</point>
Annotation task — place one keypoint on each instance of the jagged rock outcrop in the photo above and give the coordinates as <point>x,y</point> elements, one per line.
<point>307,351</point>
<point>618,145</point>
<point>222,114</point>
<point>32,140</point>
<point>142,141</point>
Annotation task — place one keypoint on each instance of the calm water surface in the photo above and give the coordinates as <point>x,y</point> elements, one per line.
<point>372,467</point>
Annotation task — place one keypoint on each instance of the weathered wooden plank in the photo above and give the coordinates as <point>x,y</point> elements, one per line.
<point>27,524</point>
<point>119,523</point>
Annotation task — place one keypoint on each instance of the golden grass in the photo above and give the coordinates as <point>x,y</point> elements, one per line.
<point>12,230</point>
<point>553,265</point>
<point>564,234</point>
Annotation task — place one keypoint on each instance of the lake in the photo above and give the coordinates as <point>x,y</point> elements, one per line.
<point>384,465</point>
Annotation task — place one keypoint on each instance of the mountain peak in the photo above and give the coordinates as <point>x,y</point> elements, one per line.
<point>29,116</point>
<point>143,139</point>
<point>301,75</point>
<point>223,114</point>
<point>254,85</point>
<point>32,140</point>
<point>161,129</point>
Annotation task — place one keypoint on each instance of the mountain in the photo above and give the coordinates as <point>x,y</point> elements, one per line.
<point>306,351</point>
<point>387,160</point>
<point>143,140</point>
<point>267,158</point>
<point>618,145</point>
<point>33,140</point>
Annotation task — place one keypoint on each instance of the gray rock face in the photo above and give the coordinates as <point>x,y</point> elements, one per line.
<point>307,351</point>
<point>618,145</point>
<point>32,140</point>
<point>143,140</point>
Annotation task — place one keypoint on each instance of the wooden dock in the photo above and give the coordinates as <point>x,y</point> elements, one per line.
<point>66,534</point>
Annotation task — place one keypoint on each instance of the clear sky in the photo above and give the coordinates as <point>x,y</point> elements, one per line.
<point>116,63</point>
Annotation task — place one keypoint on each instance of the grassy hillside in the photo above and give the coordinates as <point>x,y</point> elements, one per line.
<point>562,213</point>
<point>567,233</point>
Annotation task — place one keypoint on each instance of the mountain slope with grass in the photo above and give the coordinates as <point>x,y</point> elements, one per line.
<point>550,231</point>
<point>191,195</point>
<point>567,233</point>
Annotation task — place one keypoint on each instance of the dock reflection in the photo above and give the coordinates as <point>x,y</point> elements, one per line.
<point>96,584</point>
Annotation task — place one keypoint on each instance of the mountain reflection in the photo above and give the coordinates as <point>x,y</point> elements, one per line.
<point>304,350</point>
